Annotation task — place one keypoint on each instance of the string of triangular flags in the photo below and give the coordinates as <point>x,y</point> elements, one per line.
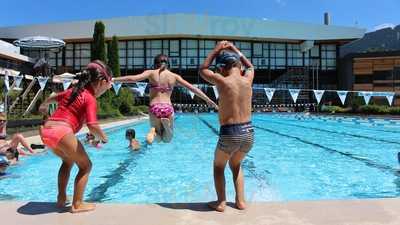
<point>318,94</point>
<point>269,92</point>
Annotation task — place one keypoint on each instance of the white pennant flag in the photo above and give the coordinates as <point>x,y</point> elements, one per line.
<point>389,97</point>
<point>116,87</point>
<point>191,93</point>
<point>42,82</point>
<point>366,95</point>
<point>7,82</point>
<point>66,83</point>
<point>318,95</point>
<point>294,93</point>
<point>342,95</point>
<point>18,80</point>
<point>269,92</point>
<point>141,87</point>
<point>215,92</point>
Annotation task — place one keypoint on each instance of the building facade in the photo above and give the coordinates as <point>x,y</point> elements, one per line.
<point>285,54</point>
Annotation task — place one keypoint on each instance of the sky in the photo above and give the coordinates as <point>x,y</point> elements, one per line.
<point>368,14</point>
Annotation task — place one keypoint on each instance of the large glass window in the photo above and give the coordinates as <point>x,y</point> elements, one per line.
<point>55,58</point>
<point>122,48</point>
<point>174,54</point>
<point>294,55</point>
<point>278,56</point>
<point>69,55</point>
<point>154,47</point>
<point>244,47</point>
<point>260,58</point>
<point>328,57</point>
<point>82,55</point>
<point>135,55</point>
<point>189,54</point>
<point>205,47</point>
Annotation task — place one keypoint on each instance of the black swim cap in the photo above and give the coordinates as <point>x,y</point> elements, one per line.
<point>226,58</point>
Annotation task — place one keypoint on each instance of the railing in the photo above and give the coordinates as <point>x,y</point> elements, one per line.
<point>33,102</point>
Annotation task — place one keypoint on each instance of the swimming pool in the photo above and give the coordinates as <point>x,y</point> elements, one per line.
<point>294,158</point>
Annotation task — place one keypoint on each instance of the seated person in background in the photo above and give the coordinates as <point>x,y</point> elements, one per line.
<point>15,140</point>
<point>130,136</point>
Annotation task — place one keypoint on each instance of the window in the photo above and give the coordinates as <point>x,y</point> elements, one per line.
<point>205,47</point>
<point>135,54</point>
<point>189,51</point>
<point>278,56</point>
<point>82,55</point>
<point>294,55</point>
<point>328,57</point>
<point>153,48</point>
<point>260,55</point>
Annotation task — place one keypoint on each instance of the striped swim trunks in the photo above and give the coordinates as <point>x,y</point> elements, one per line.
<point>236,137</point>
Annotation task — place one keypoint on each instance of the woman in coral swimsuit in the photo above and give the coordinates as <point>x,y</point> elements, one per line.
<point>76,106</point>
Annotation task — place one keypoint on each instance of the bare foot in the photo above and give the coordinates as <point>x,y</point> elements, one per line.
<point>151,135</point>
<point>217,206</point>
<point>240,205</point>
<point>83,207</point>
<point>61,201</point>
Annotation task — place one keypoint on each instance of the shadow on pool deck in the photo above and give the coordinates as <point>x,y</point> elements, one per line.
<point>38,208</point>
<point>197,206</point>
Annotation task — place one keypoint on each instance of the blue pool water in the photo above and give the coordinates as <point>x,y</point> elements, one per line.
<point>294,158</point>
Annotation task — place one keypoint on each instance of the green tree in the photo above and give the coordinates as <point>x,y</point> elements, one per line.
<point>98,50</point>
<point>113,57</point>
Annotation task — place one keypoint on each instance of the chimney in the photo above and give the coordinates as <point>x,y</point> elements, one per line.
<point>327,18</point>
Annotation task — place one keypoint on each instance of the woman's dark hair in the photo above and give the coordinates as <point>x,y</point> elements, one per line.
<point>161,61</point>
<point>130,134</point>
<point>96,70</point>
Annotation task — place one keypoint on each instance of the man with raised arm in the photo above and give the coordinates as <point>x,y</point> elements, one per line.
<point>236,133</point>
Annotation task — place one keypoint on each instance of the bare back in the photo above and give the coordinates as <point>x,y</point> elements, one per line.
<point>165,79</point>
<point>235,93</point>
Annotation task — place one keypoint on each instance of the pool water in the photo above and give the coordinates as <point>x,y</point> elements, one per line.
<point>294,157</point>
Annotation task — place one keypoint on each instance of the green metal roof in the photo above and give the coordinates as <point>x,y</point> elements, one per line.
<point>188,25</point>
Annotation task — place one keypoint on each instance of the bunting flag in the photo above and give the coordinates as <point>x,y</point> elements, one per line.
<point>215,92</point>
<point>318,95</point>
<point>18,80</point>
<point>42,82</point>
<point>141,87</point>
<point>66,83</point>
<point>366,95</point>
<point>191,93</point>
<point>294,93</point>
<point>342,95</point>
<point>7,82</point>
<point>116,87</point>
<point>389,97</point>
<point>270,93</point>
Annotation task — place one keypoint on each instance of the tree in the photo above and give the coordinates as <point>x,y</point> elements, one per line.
<point>113,57</point>
<point>98,50</point>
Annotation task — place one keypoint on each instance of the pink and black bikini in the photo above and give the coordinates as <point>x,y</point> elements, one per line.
<point>161,110</point>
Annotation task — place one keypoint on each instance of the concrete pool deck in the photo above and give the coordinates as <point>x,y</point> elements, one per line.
<point>347,212</point>
<point>329,212</point>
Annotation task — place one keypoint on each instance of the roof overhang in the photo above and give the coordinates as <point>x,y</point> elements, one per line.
<point>191,26</point>
<point>15,57</point>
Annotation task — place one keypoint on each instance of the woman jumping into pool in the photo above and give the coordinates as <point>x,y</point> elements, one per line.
<point>76,106</point>
<point>162,82</point>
